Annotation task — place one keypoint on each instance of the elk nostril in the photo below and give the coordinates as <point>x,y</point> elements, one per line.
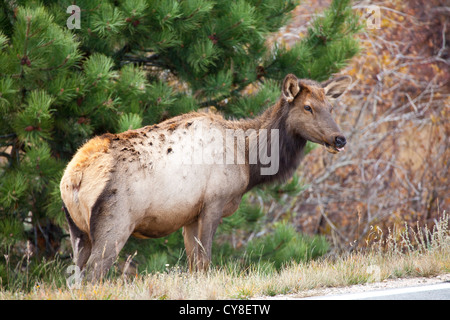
<point>340,141</point>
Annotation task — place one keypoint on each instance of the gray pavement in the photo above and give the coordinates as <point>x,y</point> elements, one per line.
<point>439,291</point>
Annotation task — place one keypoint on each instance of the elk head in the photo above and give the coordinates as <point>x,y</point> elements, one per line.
<point>310,107</point>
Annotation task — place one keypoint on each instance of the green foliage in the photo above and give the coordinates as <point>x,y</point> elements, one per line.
<point>326,48</point>
<point>156,254</point>
<point>34,122</point>
<point>134,63</point>
<point>252,105</point>
<point>12,230</point>
<point>129,121</point>
<point>291,188</point>
<point>285,245</point>
<point>246,218</point>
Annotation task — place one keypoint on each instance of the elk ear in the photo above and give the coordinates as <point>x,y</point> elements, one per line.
<point>334,88</point>
<point>290,87</point>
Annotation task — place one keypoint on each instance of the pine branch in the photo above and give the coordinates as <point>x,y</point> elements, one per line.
<point>5,155</point>
<point>56,67</point>
<point>152,61</point>
<point>25,59</point>
<point>233,93</point>
<point>10,135</point>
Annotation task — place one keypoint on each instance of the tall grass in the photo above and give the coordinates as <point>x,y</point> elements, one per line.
<point>25,274</point>
<point>412,251</point>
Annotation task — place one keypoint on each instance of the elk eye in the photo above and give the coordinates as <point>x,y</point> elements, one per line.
<point>308,108</point>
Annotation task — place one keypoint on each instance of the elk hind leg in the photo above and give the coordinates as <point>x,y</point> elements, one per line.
<point>81,244</point>
<point>110,230</point>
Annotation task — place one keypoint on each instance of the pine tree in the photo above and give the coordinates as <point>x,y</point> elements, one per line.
<point>134,63</point>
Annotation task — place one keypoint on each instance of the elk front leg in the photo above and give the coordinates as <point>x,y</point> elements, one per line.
<point>208,221</point>
<point>190,235</point>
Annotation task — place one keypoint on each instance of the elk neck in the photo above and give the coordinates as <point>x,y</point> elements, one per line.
<point>291,145</point>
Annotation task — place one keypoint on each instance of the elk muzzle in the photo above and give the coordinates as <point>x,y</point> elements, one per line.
<point>338,144</point>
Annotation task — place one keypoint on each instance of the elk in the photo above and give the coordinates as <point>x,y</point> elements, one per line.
<point>147,182</point>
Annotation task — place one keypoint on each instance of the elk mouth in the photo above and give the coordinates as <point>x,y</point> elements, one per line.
<point>332,149</point>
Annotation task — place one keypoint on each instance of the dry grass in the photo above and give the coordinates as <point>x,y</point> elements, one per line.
<point>411,252</point>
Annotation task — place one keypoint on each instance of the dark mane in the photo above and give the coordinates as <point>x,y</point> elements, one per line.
<point>290,147</point>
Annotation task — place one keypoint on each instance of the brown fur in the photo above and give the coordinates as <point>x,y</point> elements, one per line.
<point>130,183</point>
